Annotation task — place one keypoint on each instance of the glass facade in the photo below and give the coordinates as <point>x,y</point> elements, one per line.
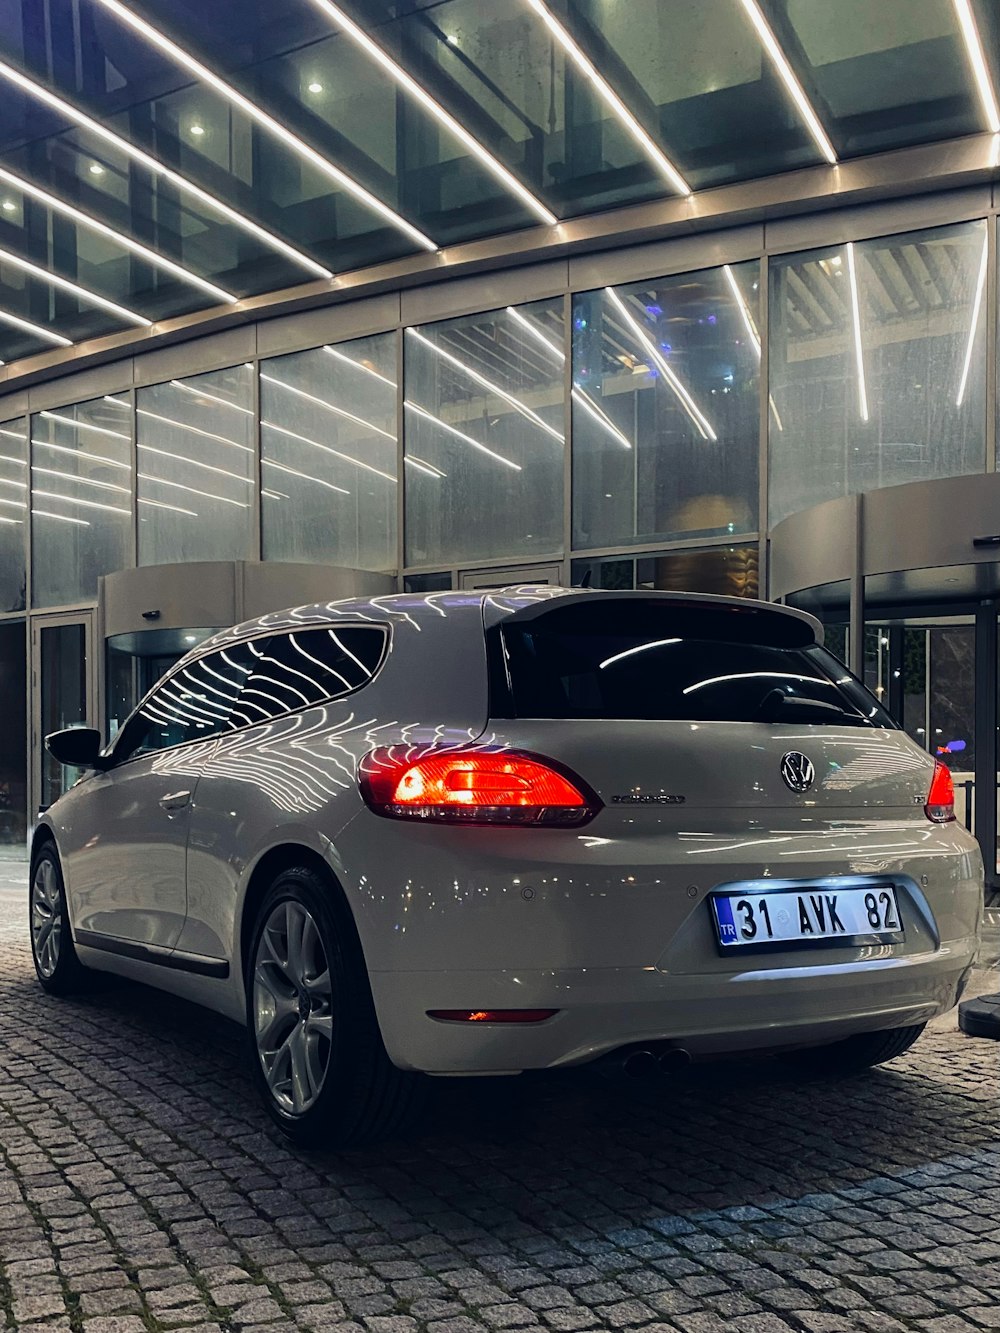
<point>13,513</point>
<point>877,361</point>
<point>328,437</point>
<point>195,445</point>
<point>81,498</point>
<point>484,417</point>
<point>665,408</point>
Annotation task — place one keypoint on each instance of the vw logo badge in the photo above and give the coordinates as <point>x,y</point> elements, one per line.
<point>797,771</point>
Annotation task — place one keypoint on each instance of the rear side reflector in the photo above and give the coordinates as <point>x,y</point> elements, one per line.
<point>940,807</point>
<point>491,1015</point>
<point>458,786</point>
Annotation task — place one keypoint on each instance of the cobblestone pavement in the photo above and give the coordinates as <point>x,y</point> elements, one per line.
<point>140,1189</point>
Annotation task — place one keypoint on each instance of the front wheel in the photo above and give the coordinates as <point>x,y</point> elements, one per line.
<point>57,966</point>
<point>319,1062</point>
<point>854,1054</point>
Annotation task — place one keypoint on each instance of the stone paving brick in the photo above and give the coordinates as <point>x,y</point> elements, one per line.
<point>141,1189</point>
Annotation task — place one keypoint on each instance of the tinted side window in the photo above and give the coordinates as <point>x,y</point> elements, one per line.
<point>309,666</point>
<point>190,705</point>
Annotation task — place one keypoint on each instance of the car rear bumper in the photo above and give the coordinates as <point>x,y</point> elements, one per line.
<point>600,1010</point>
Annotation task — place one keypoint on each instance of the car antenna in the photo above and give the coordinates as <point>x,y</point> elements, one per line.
<point>585,581</point>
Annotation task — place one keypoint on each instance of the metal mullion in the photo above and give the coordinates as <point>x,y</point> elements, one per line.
<point>986,736</point>
<point>134,462</point>
<point>991,343</point>
<point>673,544</point>
<point>400,460</point>
<point>258,479</point>
<point>764,441</point>
<point>567,507</point>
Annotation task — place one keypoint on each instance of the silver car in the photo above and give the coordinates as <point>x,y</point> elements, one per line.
<point>482,833</point>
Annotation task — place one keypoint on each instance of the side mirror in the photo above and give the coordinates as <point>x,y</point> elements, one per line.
<point>78,747</point>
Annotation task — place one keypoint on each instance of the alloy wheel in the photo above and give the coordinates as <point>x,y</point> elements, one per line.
<point>292,1007</point>
<point>46,917</point>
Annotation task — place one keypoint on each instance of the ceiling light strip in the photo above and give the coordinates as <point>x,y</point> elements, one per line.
<point>119,238</point>
<point>212,397</point>
<point>195,462</point>
<point>158,504</point>
<point>74,424</point>
<point>973,325</point>
<point>80,453</point>
<point>611,99</point>
<point>359,365</point>
<point>487,384</point>
<point>788,77</point>
<point>73,113</point>
<point>406,80</point>
<point>326,449</point>
<point>195,430</point>
<point>751,328</point>
<point>25,325</point>
<point>74,288</point>
<point>856,324</point>
<point>701,422</point>
<point>306,476</point>
<point>329,407</point>
<point>268,122</point>
<point>419,463</point>
<point>977,59</point>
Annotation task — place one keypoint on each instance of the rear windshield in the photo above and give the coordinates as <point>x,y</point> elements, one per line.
<point>627,658</point>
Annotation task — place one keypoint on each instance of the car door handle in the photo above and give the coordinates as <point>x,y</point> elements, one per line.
<point>175,800</point>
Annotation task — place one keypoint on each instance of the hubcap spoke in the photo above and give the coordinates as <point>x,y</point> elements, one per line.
<point>292,1007</point>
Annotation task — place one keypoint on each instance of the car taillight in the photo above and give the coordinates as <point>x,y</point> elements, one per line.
<point>473,787</point>
<point>940,807</point>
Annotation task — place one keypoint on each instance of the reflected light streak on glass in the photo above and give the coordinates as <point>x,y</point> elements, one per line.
<point>210,397</point>
<point>192,490</point>
<point>578,395</point>
<point>423,466</point>
<point>19,485</point>
<point>118,237</point>
<point>487,384</point>
<point>641,648</point>
<point>701,422</point>
<point>401,76</point>
<point>17,522</point>
<point>81,453</point>
<point>118,402</point>
<point>81,481</point>
<point>329,407</point>
<point>195,430</point>
<point>611,99</point>
<point>75,500</point>
<point>788,77</point>
<point>359,365</point>
<point>326,449</point>
<point>195,462</point>
<point>74,424</point>
<point>973,325</point>
<point>751,328</point>
<point>461,435</point>
<point>74,288</point>
<point>26,326</point>
<point>67,109</point>
<point>13,504</point>
<point>980,70</point>
<point>158,504</point>
<point>856,324</point>
<point>63,518</point>
<point>306,476</point>
<point>753,675</point>
<point>268,122</point>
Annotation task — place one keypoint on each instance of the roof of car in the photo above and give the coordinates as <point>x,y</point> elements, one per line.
<point>492,604</point>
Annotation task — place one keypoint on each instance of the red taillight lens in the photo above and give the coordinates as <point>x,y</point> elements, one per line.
<point>940,807</point>
<point>472,787</point>
<point>491,1015</point>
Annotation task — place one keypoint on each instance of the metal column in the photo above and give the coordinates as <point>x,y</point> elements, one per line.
<point>986,737</point>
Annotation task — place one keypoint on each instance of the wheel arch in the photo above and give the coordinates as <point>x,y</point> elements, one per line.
<point>276,859</point>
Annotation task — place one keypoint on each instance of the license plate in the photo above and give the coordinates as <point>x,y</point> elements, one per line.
<point>811,916</point>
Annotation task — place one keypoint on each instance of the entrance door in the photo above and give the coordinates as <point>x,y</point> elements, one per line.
<point>479,580</point>
<point>62,674</point>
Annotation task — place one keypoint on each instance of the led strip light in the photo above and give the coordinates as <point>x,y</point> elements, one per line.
<point>977,59</point>
<point>856,324</point>
<point>78,117</point>
<point>268,122</point>
<point>977,305</point>
<point>46,335</point>
<point>788,78</point>
<point>611,99</point>
<point>118,237</point>
<point>405,80</point>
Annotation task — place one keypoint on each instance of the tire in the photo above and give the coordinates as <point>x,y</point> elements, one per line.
<point>854,1054</point>
<point>318,1059</point>
<point>57,966</point>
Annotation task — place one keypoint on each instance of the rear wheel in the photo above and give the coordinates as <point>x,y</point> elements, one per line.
<point>318,1058</point>
<point>854,1054</point>
<point>57,966</point>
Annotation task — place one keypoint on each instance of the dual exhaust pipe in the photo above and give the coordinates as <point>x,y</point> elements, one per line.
<point>645,1063</point>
